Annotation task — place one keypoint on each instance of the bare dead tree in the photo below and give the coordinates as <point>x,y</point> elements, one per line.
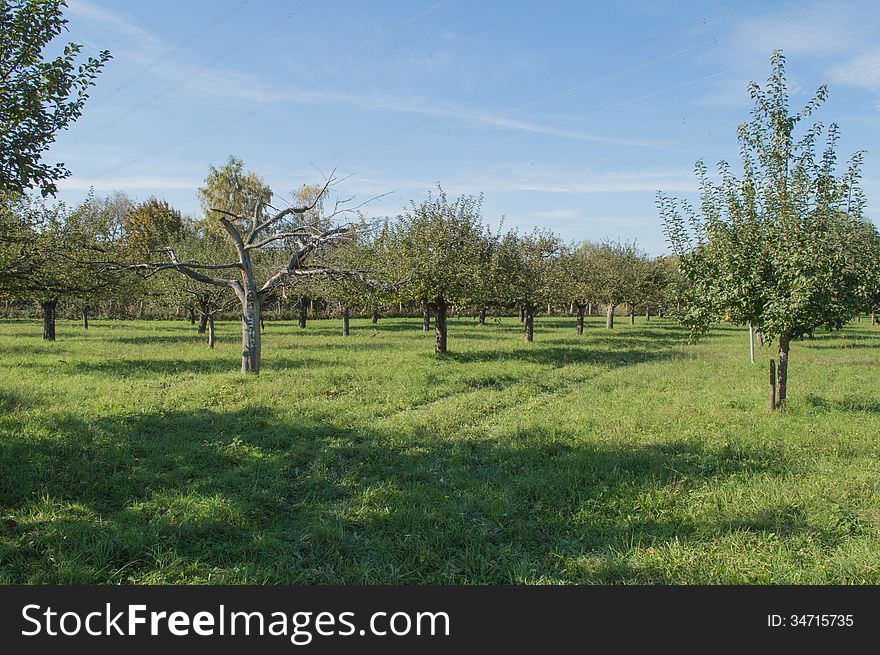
<point>301,239</point>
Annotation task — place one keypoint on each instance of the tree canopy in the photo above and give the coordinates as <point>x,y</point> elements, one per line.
<point>42,95</point>
<point>768,247</point>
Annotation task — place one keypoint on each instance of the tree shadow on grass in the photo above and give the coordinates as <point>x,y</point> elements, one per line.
<point>845,345</point>
<point>849,404</point>
<point>12,402</point>
<point>256,496</point>
<point>216,363</point>
<point>193,338</point>
<point>564,355</point>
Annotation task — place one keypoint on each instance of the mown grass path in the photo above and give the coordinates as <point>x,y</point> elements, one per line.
<point>132,453</point>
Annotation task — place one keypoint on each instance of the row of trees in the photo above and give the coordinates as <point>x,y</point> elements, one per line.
<point>437,255</point>
<point>782,246</point>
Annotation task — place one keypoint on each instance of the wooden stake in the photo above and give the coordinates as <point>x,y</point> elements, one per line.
<point>751,344</point>
<point>772,385</point>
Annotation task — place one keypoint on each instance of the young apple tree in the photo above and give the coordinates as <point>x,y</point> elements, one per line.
<point>767,247</point>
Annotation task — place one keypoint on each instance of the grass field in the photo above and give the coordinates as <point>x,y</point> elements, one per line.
<point>133,454</point>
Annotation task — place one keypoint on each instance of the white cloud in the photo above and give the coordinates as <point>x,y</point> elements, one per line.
<point>519,177</point>
<point>523,177</point>
<point>427,107</point>
<point>862,71</point>
<point>841,43</point>
<point>557,214</point>
<point>101,17</point>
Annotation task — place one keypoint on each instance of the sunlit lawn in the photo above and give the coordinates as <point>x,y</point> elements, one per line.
<point>132,453</point>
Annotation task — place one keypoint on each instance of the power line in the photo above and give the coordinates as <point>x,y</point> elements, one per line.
<point>626,47</point>
<point>170,87</point>
<point>644,66</point>
<point>174,50</point>
<point>369,41</point>
<point>656,62</point>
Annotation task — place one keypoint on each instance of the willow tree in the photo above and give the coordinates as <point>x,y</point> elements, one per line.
<point>232,189</point>
<point>768,246</point>
<point>270,249</point>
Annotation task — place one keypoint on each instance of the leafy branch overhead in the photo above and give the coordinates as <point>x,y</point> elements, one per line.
<point>41,96</point>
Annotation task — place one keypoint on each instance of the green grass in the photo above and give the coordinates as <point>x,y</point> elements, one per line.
<point>133,454</point>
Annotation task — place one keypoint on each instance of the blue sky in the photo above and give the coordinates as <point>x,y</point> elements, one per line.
<point>566,114</point>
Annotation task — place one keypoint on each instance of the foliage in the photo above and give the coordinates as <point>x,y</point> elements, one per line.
<point>150,226</point>
<point>195,247</point>
<point>53,255</point>
<point>577,274</point>
<point>437,246</point>
<point>41,95</point>
<point>526,266</point>
<point>233,190</point>
<point>769,247</point>
<point>621,271</point>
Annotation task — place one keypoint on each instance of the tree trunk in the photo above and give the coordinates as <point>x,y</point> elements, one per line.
<point>529,331</point>
<point>609,317</point>
<point>85,315</point>
<point>522,314</point>
<point>647,312</point>
<point>303,311</point>
<point>632,314</point>
<point>426,318</point>
<point>192,316</point>
<point>760,339</point>
<point>211,336</point>
<point>482,317</point>
<point>203,322</point>
<point>873,318</point>
<point>49,319</point>
<point>345,321</point>
<point>782,371</point>
<point>590,309</point>
<point>440,329</point>
<point>580,320</point>
<point>250,337</point>
<point>375,317</point>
